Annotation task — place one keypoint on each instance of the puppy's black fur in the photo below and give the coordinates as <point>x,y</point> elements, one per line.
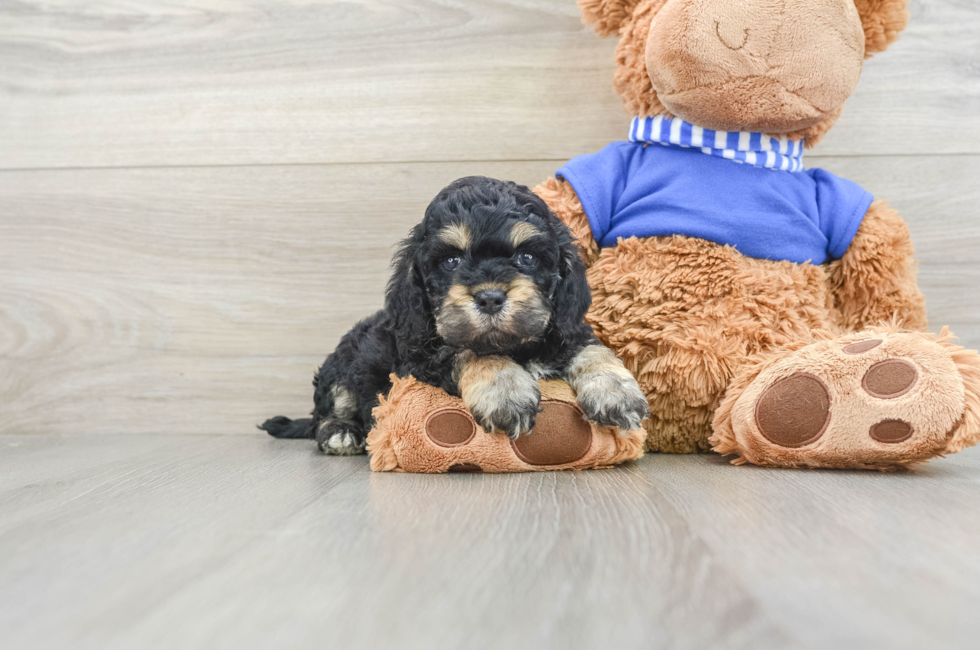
<point>469,281</point>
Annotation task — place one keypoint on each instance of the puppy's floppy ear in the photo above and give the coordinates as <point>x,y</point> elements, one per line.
<point>572,296</point>
<point>406,304</point>
<point>570,293</point>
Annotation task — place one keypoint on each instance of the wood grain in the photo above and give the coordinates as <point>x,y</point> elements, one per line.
<point>149,83</point>
<point>874,541</point>
<point>248,542</point>
<point>201,300</point>
<point>198,198</point>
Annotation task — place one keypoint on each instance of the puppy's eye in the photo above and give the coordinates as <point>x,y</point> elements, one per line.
<point>527,260</point>
<point>450,263</point>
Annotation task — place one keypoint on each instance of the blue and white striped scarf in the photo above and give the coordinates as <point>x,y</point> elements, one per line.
<point>754,149</point>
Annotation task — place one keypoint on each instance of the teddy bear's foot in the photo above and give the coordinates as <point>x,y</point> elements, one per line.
<point>420,428</point>
<point>878,399</point>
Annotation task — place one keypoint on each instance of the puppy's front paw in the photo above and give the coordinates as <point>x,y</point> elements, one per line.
<point>611,400</point>
<point>500,394</point>
<point>339,438</point>
<point>607,392</point>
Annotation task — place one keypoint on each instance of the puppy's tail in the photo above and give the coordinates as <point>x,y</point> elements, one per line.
<point>282,427</point>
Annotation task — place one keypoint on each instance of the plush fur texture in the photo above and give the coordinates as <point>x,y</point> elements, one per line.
<point>708,331</point>
<point>818,32</point>
<point>606,17</point>
<point>737,65</point>
<point>399,442</point>
<point>684,313</point>
<point>875,280</point>
<point>883,21</point>
<point>488,295</point>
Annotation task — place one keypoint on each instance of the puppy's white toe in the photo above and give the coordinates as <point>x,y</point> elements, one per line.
<point>343,444</point>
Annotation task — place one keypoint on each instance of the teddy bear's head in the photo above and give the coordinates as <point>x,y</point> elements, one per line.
<point>770,66</point>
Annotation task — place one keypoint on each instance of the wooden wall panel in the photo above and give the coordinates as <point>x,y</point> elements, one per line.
<point>200,300</point>
<point>197,199</point>
<point>152,83</point>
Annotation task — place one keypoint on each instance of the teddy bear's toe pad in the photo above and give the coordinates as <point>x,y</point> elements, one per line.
<point>891,431</point>
<point>852,402</point>
<point>464,468</point>
<point>794,411</point>
<point>560,435</point>
<point>890,378</point>
<point>450,427</point>
<point>862,346</point>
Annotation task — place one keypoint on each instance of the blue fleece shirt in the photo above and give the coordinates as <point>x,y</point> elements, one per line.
<point>632,189</point>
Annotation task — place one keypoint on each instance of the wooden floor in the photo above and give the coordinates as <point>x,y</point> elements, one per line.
<point>248,542</point>
<point>198,198</point>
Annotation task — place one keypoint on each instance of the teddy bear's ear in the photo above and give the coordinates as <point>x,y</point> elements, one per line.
<point>882,21</point>
<point>606,16</point>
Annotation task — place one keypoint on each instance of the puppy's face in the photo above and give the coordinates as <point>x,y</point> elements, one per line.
<point>490,268</point>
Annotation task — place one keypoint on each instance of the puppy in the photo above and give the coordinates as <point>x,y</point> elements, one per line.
<point>488,295</point>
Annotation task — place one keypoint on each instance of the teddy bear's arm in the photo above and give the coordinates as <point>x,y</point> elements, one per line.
<point>563,201</point>
<point>875,280</point>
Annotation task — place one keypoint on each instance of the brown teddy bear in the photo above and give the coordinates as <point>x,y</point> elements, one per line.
<point>768,310</point>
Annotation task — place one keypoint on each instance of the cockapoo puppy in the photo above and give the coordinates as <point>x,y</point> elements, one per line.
<point>488,295</point>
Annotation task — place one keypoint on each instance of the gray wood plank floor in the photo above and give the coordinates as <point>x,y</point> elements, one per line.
<point>247,542</point>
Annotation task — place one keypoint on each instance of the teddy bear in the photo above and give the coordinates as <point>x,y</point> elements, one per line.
<point>769,311</point>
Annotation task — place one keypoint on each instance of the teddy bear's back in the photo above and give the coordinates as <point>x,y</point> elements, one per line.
<point>685,314</point>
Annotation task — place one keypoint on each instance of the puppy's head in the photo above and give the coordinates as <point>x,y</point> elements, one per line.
<point>490,267</point>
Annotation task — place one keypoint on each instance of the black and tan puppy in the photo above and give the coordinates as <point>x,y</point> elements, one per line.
<point>488,295</point>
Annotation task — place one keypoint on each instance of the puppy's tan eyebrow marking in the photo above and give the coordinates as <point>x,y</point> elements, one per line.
<point>456,234</point>
<point>521,232</point>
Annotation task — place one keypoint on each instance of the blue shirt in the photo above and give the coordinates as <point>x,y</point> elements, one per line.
<point>636,190</point>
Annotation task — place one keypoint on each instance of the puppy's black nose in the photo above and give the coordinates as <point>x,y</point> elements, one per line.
<point>490,301</point>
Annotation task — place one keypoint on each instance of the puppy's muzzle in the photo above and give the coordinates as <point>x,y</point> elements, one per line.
<point>490,301</point>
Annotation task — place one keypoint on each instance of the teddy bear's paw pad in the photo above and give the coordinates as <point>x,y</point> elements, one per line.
<point>858,401</point>
<point>560,435</point>
<point>464,468</point>
<point>862,346</point>
<point>890,378</point>
<point>795,411</point>
<point>891,431</point>
<point>450,427</point>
